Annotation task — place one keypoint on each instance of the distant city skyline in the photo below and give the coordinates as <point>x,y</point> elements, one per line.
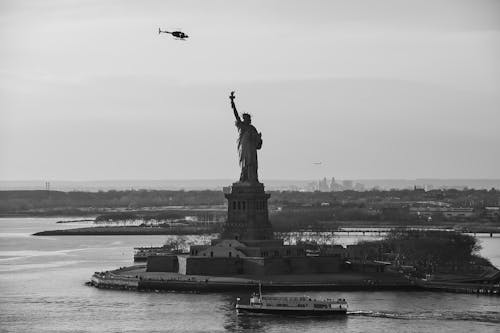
<point>270,184</point>
<point>372,89</point>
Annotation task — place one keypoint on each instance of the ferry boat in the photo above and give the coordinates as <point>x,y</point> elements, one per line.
<point>302,305</point>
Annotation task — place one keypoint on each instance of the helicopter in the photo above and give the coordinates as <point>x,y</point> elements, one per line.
<point>177,34</point>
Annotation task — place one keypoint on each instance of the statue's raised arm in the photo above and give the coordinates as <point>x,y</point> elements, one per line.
<point>233,106</point>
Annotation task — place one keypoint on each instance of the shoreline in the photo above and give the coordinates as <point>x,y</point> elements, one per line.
<point>137,279</point>
<point>126,230</point>
<point>134,278</point>
<point>195,230</point>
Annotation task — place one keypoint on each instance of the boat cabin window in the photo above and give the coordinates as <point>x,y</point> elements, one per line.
<point>320,306</point>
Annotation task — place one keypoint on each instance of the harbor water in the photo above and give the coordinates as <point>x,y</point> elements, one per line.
<point>42,289</point>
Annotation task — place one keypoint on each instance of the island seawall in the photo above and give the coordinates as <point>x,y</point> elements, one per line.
<point>136,278</point>
<point>131,279</point>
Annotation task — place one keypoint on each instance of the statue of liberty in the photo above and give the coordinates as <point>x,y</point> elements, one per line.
<point>249,141</point>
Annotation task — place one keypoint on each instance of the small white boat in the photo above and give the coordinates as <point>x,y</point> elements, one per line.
<point>302,305</point>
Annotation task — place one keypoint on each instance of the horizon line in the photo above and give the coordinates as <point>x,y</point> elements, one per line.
<point>235,180</point>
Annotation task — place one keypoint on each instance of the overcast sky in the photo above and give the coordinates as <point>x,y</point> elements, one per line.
<point>372,89</point>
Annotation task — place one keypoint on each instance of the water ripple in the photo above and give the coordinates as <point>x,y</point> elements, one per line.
<point>483,316</point>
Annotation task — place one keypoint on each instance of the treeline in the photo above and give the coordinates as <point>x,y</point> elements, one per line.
<point>318,218</point>
<point>429,251</point>
<point>293,220</point>
<point>352,202</point>
<point>282,221</point>
<point>374,198</point>
<point>23,201</point>
<point>130,216</point>
<point>163,216</point>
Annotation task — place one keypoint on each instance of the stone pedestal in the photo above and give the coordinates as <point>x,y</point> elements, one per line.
<point>247,215</point>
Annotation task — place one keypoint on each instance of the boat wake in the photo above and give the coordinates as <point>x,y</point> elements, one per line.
<point>486,316</point>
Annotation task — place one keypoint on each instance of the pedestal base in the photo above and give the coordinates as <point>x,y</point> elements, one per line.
<point>247,216</point>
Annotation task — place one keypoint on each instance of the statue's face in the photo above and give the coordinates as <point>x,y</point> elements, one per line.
<point>247,119</point>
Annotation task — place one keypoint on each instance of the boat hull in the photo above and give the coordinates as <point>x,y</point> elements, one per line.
<point>294,312</point>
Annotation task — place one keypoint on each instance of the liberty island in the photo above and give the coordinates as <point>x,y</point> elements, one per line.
<point>247,253</point>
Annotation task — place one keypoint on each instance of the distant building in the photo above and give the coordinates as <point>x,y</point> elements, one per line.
<point>359,187</point>
<point>323,185</point>
<point>332,184</point>
<point>347,184</point>
<point>459,213</point>
<point>418,188</point>
<point>449,213</point>
<point>492,213</point>
<point>426,212</point>
<point>428,187</point>
<point>312,186</point>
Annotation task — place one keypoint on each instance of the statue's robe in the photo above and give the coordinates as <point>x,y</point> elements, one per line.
<point>249,141</point>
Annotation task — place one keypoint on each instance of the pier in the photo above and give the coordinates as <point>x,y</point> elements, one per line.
<point>463,288</point>
<point>384,230</point>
